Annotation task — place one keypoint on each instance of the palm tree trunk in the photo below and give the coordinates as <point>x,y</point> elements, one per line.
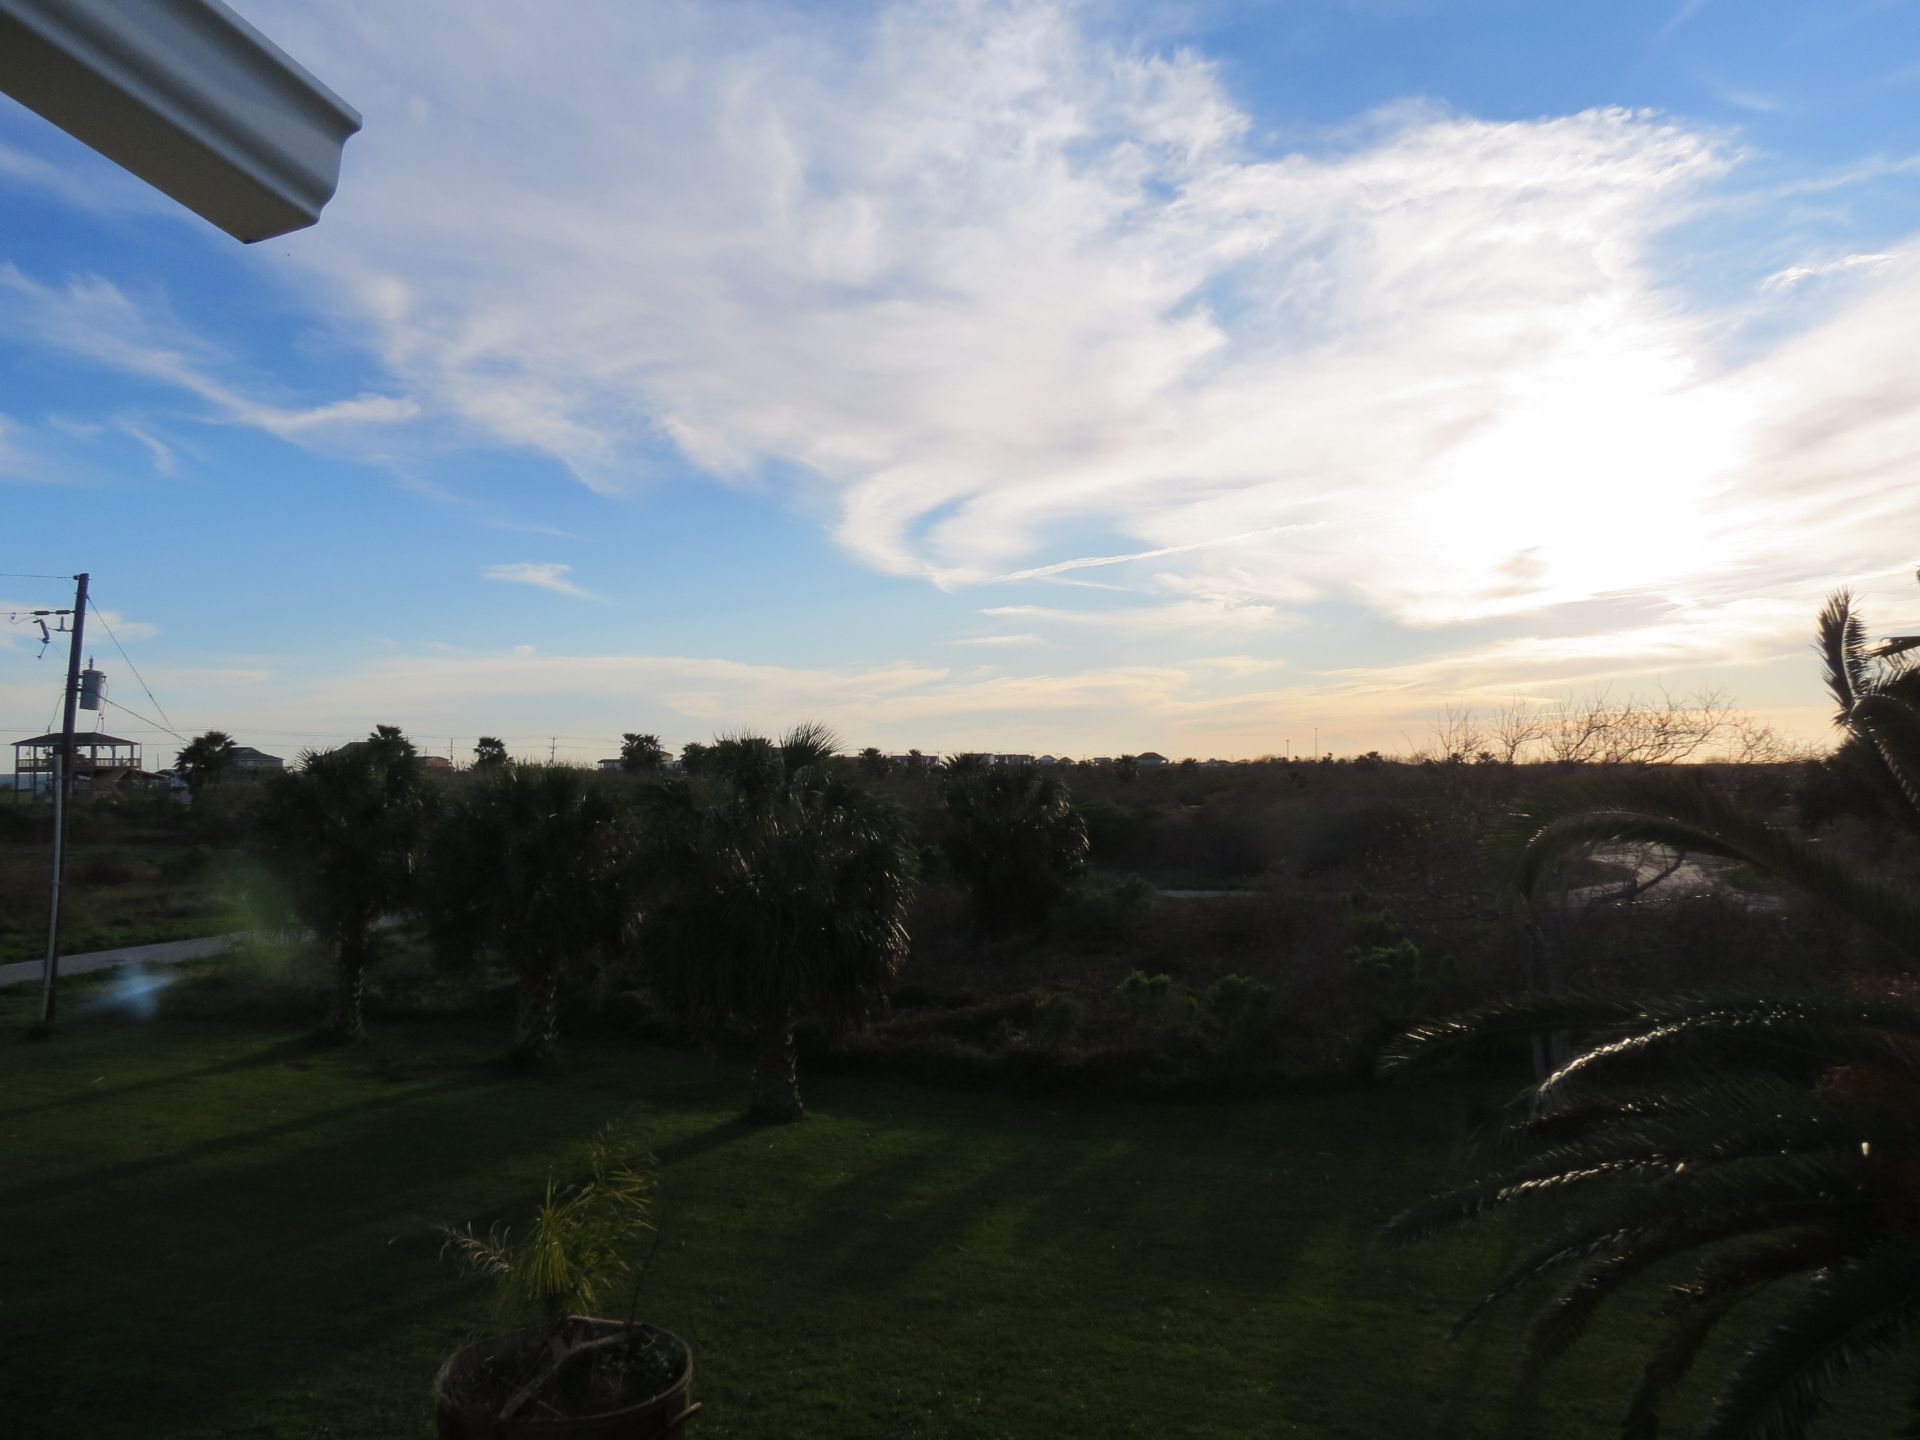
<point>776,1071</point>
<point>346,1016</point>
<point>536,1021</point>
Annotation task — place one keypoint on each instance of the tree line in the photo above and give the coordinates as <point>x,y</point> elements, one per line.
<point>769,882</point>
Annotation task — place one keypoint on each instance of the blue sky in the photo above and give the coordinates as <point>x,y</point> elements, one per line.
<point>1074,379</point>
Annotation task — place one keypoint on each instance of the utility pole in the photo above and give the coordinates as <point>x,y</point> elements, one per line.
<point>1316,742</point>
<point>62,787</point>
<point>552,740</point>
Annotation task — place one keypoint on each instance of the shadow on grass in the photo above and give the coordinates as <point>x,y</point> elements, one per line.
<point>278,1052</point>
<point>325,1250</point>
<point>691,1147</point>
<point>238,1141</point>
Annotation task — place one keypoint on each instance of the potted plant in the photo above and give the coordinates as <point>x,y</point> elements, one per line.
<point>569,1374</point>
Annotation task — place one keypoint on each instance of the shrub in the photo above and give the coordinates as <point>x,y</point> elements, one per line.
<point>1154,1002</point>
<point>1239,1011</point>
<point>1098,913</point>
<point>1056,1020</point>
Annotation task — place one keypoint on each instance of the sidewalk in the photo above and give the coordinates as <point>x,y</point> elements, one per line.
<point>165,953</point>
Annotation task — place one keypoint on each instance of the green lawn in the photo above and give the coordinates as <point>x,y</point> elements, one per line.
<point>114,894</point>
<point>211,1230</point>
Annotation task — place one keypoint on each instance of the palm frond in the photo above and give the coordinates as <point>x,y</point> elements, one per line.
<point>1713,1030</point>
<point>1892,726</point>
<point>1473,1030</point>
<point>1670,1363</point>
<point>1745,1196</point>
<point>1842,645</point>
<point>1685,814</point>
<point>1848,1317</point>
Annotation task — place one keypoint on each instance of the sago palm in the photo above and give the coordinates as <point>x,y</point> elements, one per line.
<point>779,886</point>
<point>526,865</point>
<point>1737,1145</point>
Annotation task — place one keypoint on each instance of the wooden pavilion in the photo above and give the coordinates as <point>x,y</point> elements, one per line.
<point>97,756</point>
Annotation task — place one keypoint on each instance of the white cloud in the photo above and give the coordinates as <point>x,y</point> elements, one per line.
<point>993,284</point>
<point>93,318</point>
<point>162,453</point>
<point>545,577</point>
<point>997,640</point>
<point>1686,11</point>
<point>1089,562</point>
<point>432,692</point>
<point>997,290</point>
<point>1786,279</point>
<point>1178,615</point>
<point>123,629</point>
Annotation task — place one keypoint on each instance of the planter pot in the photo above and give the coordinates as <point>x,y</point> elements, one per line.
<point>459,1415</point>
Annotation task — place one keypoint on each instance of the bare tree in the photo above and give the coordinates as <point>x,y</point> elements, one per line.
<point>1662,729</point>
<point>1515,728</point>
<point>1456,736</point>
<point>1753,742</point>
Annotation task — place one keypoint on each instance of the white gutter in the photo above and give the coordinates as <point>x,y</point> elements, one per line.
<point>189,97</point>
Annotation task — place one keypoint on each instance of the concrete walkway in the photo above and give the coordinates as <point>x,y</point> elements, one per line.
<point>165,953</point>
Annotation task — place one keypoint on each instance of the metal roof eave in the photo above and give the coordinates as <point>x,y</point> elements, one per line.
<point>189,97</point>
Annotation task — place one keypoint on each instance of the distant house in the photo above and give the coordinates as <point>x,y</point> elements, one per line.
<point>613,764</point>
<point>1149,757</point>
<point>1010,759</point>
<point>435,762</point>
<point>252,761</point>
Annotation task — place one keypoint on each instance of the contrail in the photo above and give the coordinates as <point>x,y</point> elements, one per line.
<point>1088,562</point>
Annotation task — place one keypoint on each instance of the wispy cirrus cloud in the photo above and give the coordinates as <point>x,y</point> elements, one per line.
<point>1683,14</point>
<point>541,576</point>
<point>93,318</point>
<point>1204,708</point>
<point>1090,562</point>
<point>988,285</point>
<point>1794,274</point>
<point>990,282</point>
<point>1203,616</point>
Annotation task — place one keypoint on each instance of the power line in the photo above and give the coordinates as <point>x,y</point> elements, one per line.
<point>23,575</point>
<point>94,605</point>
<point>148,718</point>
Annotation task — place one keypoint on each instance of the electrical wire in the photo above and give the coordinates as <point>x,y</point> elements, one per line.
<point>23,575</point>
<point>98,615</point>
<point>148,718</point>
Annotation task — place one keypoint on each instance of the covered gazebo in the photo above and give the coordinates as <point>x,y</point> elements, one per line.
<point>95,754</point>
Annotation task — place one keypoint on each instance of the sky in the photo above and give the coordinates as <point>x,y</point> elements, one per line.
<point>1078,379</point>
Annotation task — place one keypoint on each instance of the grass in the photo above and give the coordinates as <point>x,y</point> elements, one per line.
<point>215,1230</point>
<point>114,894</point>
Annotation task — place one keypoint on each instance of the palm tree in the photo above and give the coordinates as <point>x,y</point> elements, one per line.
<point>341,833</point>
<point>526,865</point>
<point>1739,1143</point>
<point>205,759</point>
<point>641,754</point>
<point>1012,836</point>
<point>489,751</point>
<point>779,886</point>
